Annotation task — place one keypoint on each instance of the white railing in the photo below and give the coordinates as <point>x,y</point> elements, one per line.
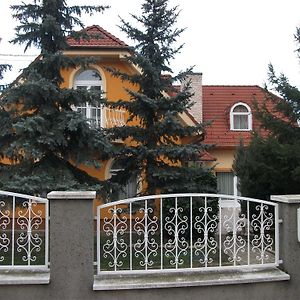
<point>112,117</point>
<point>101,116</point>
<point>24,231</point>
<point>188,232</point>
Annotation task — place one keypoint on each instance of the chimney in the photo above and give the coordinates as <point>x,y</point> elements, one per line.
<point>196,89</point>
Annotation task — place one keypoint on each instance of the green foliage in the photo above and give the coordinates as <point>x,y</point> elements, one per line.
<point>271,163</point>
<point>40,133</point>
<point>268,167</point>
<point>3,68</point>
<point>156,154</point>
<point>199,209</point>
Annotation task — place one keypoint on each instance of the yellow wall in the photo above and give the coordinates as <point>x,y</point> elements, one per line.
<point>114,90</point>
<point>113,87</point>
<point>224,159</point>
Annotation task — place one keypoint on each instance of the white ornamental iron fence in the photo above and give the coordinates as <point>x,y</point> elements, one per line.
<point>187,232</point>
<point>24,234</point>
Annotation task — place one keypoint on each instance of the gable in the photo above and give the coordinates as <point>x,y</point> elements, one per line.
<point>97,38</point>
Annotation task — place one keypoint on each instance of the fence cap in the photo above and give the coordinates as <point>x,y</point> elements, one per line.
<point>286,198</point>
<point>71,195</point>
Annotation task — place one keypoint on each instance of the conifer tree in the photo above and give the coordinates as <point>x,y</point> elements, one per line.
<point>155,154</point>
<point>271,163</point>
<point>3,67</point>
<point>41,136</point>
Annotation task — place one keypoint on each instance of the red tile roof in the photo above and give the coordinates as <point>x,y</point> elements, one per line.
<point>99,38</point>
<point>217,101</point>
<point>207,157</point>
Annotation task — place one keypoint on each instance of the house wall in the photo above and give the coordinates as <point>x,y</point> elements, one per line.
<point>114,87</point>
<point>114,90</point>
<point>224,159</point>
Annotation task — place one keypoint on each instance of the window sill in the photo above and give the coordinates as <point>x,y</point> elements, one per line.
<point>33,276</point>
<point>186,279</point>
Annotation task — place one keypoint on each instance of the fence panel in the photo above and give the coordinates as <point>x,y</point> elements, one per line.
<point>23,231</point>
<point>186,232</point>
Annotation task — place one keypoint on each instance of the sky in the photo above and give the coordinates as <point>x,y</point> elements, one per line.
<point>230,41</point>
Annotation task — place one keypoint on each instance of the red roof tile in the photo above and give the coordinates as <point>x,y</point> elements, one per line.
<point>217,101</point>
<point>99,38</point>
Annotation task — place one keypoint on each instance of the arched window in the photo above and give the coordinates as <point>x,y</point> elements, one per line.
<point>127,191</point>
<point>240,117</point>
<point>89,80</point>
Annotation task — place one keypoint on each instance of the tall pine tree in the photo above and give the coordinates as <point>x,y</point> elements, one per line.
<point>154,153</point>
<point>271,163</point>
<point>42,139</point>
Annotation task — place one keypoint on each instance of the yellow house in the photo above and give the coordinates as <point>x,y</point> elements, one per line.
<point>110,52</point>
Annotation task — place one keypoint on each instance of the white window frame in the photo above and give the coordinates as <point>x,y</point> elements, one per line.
<point>248,114</point>
<point>88,84</point>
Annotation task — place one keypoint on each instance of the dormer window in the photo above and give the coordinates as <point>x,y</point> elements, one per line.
<point>89,80</point>
<point>240,117</point>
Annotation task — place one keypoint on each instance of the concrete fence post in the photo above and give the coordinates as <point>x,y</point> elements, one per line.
<point>289,244</point>
<point>71,244</point>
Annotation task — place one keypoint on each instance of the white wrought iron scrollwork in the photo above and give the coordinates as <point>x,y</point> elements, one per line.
<point>28,242</point>
<point>4,223</point>
<point>176,226</point>
<point>23,231</point>
<point>146,228</point>
<point>262,241</point>
<point>115,248</point>
<point>234,243</point>
<point>198,231</point>
<point>206,224</point>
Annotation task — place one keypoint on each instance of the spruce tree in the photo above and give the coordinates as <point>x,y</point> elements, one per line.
<point>3,68</point>
<point>42,139</point>
<point>271,163</point>
<point>154,153</point>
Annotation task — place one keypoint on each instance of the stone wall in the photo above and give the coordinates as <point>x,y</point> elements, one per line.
<point>72,256</point>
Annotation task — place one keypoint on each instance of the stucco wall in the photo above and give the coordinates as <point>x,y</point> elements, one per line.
<point>224,159</point>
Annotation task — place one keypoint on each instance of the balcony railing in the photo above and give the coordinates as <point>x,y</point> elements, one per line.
<point>113,117</point>
<point>23,231</point>
<point>187,232</point>
<point>103,117</point>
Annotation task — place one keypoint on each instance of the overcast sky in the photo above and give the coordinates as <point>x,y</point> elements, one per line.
<point>229,41</point>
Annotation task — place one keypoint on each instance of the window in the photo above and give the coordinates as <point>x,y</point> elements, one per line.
<point>90,80</point>
<point>240,117</point>
<point>227,183</point>
<point>127,191</point>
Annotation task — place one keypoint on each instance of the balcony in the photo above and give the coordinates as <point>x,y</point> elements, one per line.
<point>102,117</point>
